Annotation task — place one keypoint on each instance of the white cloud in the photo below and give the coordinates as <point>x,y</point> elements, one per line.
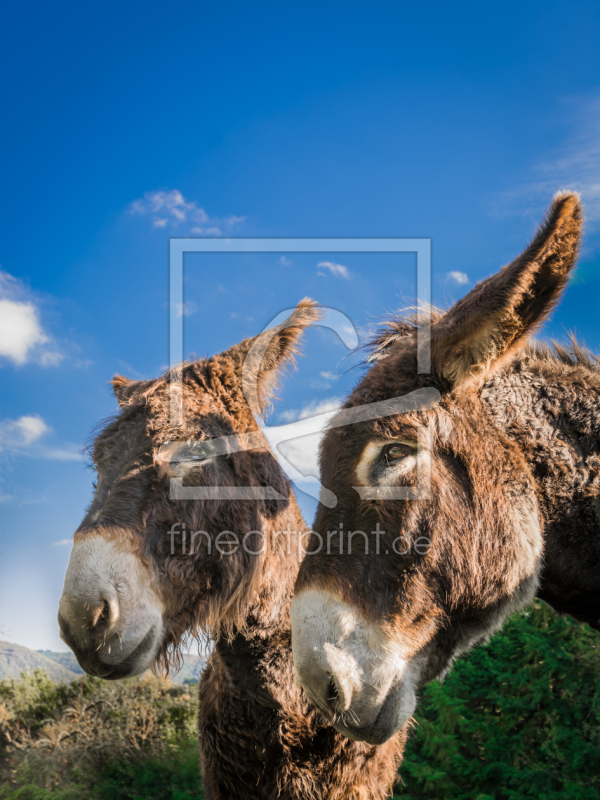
<point>285,262</point>
<point>20,330</point>
<point>63,543</point>
<point>311,409</point>
<point>171,209</point>
<point>329,376</point>
<point>22,437</point>
<point>575,165</point>
<point>457,277</point>
<point>339,270</point>
<point>23,431</point>
<point>22,337</point>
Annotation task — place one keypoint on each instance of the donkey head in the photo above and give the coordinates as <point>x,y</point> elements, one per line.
<point>436,535</point>
<point>148,566</point>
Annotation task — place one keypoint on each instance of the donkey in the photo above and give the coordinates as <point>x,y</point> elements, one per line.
<point>131,596</point>
<point>468,507</point>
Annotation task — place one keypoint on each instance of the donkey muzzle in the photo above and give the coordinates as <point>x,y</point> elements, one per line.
<point>349,669</point>
<point>109,613</point>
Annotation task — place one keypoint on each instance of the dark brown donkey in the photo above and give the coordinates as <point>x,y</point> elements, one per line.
<point>507,462</point>
<point>135,585</point>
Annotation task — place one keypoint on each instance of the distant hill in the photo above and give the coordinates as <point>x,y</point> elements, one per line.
<point>67,660</point>
<point>14,659</point>
<point>191,670</point>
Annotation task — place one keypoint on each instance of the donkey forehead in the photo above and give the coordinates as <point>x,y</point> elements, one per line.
<point>147,427</point>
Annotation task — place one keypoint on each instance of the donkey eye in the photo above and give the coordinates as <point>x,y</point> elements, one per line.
<point>394,453</point>
<point>183,451</point>
<point>197,451</point>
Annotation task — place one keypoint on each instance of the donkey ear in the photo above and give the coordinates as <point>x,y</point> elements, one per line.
<point>125,389</point>
<point>488,325</point>
<point>258,363</point>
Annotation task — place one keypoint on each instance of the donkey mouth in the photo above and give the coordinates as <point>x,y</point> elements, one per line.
<point>383,727</point>
<point>94,666</point>
<point>348,722</point>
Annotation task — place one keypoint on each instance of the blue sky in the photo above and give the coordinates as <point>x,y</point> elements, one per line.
<point>126,124</point>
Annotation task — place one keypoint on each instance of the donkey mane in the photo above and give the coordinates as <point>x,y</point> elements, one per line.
<point>406,323</point>
<point>399,325</point>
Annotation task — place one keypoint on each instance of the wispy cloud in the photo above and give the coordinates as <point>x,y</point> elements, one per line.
<point>329,376</point>
<point>63,543</point>
<point>461,278</point>
<point>575,165</point>
<point>339,270</point>
<point>23,436</point>
<point>169,209</point>
<point>22,336</point>
<point>131,371</point>
<point>186,309</point>
<point>285,262</point>
<point>311,409</point>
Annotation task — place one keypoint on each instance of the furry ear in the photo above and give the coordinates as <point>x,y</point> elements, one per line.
<point>486,327</point>
<point>257,364</point>
<point>125,389</point>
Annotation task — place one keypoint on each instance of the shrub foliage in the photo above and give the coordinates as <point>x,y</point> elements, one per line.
<point>94,739</point>
<point>518,718</point>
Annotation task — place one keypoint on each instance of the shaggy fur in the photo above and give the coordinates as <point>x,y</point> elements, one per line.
<point>259,737</point>
<point>514,452</point>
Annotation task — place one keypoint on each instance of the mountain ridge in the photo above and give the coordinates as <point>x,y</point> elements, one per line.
<point>63,667</point>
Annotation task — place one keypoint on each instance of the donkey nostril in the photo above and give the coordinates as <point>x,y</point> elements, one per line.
<point>105,614</point>
<point>339,693</point>
<point>332,692</point>
<point>102,615</point>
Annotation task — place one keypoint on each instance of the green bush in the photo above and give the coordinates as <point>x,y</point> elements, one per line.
<point>91,740</point>
<point>518,718</point>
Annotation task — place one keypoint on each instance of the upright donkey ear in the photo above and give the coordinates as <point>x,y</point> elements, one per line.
<point>125,389</point>
<point>257,364</point>
<point>488,325</point>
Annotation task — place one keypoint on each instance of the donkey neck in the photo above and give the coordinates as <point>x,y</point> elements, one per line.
<point>549,403</point>
<point>270,596</point>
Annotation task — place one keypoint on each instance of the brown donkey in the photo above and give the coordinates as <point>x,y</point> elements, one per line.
<point>147,569</point>
<point>505,463</point>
